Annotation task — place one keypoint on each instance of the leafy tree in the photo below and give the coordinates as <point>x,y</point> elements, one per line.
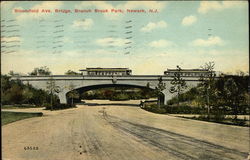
<point>12,73</point>
<point>236,93</point>
<point>178,84</point>
<point>228,94</point>
<point>52,88</point>
<point>14,94</point>
<point>70,72</point>
<point>40,97</point>
<point>231,91</point>
<point>73,93</point>
<point>108,93</point>
<point>147,92</point>
<point>27,94</point>
<point>41,71</point>
<point>5,83</point>
<point>159,88</point>
<point>189,96</point>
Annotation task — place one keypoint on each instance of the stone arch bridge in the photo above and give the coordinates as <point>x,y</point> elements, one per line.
<point>86,82</point>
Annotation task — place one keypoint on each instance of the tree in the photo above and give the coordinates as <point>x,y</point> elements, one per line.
<point>73,93</point>
<point>40,71</point>
<point>207,82</point>
<point>159,88</point>
<point>178,84</point>
<point>231,93</point>
<point>235,93</point>
<point>27,94</point>
<point>52,88</point>
<point>147,92</point>
<point>12,73</point>
<point>15,94</point>
<point>240,73</point>
<point>70,72</point>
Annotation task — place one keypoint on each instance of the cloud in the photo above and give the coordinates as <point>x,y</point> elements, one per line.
<point>67,40</point>
<point>206,6</point>
<point>144,4</point>
<point>84,23</point>
<point>96,4</point>
<point>127,5</point>
<point>10,39</point>
<point>102,52</point>
<point>144,61</point>
<point>48,5</point>
<point>44,5</point>
<point>189,20</point>
<point>111,41</point>
<point>211,41</point>
<point>151,26</point>
<point>7,4</point>
<point>161,43</point>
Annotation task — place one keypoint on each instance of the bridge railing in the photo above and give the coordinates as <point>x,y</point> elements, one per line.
<point>80,77</point>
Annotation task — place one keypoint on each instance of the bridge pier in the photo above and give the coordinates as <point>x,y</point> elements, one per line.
<point>167,95</point>
<point>62,97</point>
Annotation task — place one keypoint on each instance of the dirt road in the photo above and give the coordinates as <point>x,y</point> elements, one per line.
<point>101,131</point>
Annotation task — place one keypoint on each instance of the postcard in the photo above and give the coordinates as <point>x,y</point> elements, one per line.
<point>125,80</point>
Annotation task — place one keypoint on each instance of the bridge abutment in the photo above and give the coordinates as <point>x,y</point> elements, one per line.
<point>167,95</point>
<point>62,97</point>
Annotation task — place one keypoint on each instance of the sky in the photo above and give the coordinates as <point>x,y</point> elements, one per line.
<point>187,34</point>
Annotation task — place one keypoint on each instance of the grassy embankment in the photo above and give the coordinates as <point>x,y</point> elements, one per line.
<point>196,113</point>
<point>9,117</point>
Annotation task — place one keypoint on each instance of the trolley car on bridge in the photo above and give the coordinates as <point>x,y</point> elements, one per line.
<point>106,71</point>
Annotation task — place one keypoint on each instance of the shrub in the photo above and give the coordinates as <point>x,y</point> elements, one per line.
<point>154,108</point>
<point>183,109</point>
<point>60,106</point>
<point>15,92</point>
<point>120,97</point>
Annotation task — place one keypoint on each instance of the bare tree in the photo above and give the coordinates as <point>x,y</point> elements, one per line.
<point>52,88</point>
<point>73,93</point>
<point>207,81</point>
<point>178,84</point>
<point>159,88</point>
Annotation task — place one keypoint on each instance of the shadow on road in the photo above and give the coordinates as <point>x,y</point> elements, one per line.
<point>112,104</point>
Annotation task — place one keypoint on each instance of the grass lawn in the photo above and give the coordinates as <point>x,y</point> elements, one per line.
<point>9,117</point>
<point>227,121</point>
<point>18,106</point>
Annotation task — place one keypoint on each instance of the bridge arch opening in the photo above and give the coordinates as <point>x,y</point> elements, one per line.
<point>114,92</point>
